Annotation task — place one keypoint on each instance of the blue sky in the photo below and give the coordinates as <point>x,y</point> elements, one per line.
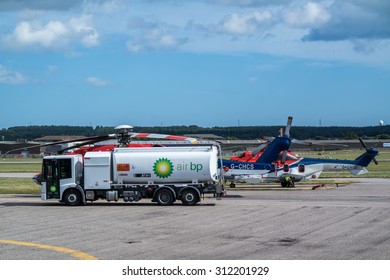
<point>196,62</point>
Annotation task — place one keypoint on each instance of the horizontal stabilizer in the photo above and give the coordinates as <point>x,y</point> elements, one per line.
<point>357,172</point>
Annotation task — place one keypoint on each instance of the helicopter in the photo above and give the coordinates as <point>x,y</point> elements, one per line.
<point>287,167</point>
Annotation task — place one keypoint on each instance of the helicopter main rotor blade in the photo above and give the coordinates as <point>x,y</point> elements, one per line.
<point>162,136</point>
<point>288,127</point>
<point>259,148</point>
<point>97,138</point>
<point>363,144</point>
<point>108,137</point>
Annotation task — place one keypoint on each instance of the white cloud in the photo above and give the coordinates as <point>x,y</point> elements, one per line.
<point>11,77</point>
<point>53,36</point>
<point>97,82</point>
<point>279,27</point>
<point>353,20</point>
<point>155,40</point>
<point>355,30</point>
<point>81,29</point>
<point>240,24</point>
<point>149,35</point>
<point>309,15</point>
<point>46,36</point>
<point>107,6</point>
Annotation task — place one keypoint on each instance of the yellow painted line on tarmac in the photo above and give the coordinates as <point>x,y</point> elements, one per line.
<point>73,253</point>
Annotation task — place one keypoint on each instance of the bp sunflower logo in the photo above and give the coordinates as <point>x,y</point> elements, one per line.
<point>163,168</point>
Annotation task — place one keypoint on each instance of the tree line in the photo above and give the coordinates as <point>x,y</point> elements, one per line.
<point>28,133</point>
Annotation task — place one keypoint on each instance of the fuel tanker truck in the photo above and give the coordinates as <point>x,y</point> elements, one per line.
<point>162,174</point>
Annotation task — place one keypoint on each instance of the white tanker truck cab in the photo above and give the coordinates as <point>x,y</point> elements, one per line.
<point>163,174</point>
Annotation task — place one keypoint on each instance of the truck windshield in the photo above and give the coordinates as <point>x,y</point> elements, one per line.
<point>57,168</point>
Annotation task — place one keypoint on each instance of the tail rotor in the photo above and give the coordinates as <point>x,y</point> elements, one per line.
<point>286,134</point>
<point>367,149</point>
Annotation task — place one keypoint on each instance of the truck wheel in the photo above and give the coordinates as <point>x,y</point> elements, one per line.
<point>164,197</point>
<point>72,197</point>
<point>189,197</point>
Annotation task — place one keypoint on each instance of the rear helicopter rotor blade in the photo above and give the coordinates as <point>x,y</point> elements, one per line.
<point>363,144</point>
<point>288,126</point>
<point>284,157</point>
<point>367,150</point>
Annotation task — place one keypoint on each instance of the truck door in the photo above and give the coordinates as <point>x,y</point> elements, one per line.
<point>50,176</point>
<point>55,172</point>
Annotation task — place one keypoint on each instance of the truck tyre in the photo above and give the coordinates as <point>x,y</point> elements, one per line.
<point>164,197</point>
<point>72,197</point>
<point>189,197</point>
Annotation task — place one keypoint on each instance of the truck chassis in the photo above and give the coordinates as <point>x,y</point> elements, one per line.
<point>189,194</point>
